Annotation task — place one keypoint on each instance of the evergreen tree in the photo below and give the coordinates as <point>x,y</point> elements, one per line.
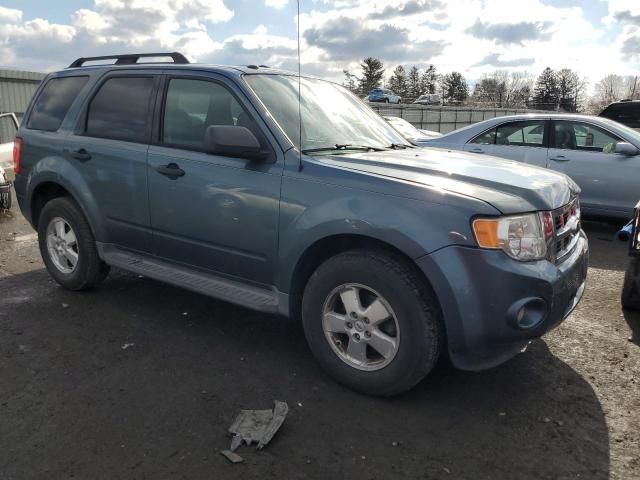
<point>545,92</point>
<point>350,81</point>
<point>569,89</point>
<point>398,81</point>
<point>414,87</point>
<point>454,88</point>
<point>429,80</point>
<point>372,74</point>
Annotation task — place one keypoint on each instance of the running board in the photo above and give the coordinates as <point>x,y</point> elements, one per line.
<point>207,284</point>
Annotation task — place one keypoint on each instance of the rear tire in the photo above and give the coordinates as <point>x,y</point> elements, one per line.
<point>68,247</point>
<point>400,350</point>
<point>631,286</point>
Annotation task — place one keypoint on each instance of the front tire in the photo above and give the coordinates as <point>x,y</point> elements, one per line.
<point>68,247</point>
<point>372,322</point>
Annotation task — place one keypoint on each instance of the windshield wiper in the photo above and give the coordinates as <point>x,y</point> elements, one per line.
<point>400,146</point>
<point>344,146</point>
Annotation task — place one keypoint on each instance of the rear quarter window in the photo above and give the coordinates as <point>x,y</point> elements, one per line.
<point>54,101</point>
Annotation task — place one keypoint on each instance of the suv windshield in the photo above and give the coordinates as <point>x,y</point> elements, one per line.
<point>330,115</point>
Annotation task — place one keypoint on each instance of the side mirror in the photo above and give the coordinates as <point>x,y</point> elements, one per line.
<point>625,148</point>
<point>233,141</point>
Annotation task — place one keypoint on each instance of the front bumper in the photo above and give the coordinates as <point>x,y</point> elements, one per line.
<point>482,291</point>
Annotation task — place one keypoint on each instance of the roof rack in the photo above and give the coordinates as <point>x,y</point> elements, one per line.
<point>131,59</point>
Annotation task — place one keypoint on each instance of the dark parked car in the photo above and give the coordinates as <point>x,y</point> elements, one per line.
<point>390,255</point>
<point>626,112</point>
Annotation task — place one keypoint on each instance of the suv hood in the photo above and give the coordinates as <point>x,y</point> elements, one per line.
<point>509,186</point>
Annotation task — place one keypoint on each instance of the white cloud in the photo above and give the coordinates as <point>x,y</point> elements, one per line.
<point>470,36</point>
<point>276,3</point>
<point>10,15</point>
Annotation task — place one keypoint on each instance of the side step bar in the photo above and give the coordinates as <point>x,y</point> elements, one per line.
<point>207,284</point>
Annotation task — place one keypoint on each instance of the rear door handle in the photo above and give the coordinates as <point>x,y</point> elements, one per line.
<point>559,158</point>
<point>476,150</point>
<point>80,154</point>
<point>172,170</point>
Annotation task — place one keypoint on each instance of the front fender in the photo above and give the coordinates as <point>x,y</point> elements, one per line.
<point>414,227</point>
<point>58,170</point>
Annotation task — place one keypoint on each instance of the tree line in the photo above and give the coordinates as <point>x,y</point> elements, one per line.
<point>556,90</point>
<point>452,87</point>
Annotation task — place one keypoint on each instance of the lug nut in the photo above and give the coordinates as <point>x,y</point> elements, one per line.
<point>356,336</point>
<point>353,315</point>
<point>349,325</point>
<point>366,320</point>
<point>367,334</point>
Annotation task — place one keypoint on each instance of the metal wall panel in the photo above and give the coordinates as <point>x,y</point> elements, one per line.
<point>16,90</point>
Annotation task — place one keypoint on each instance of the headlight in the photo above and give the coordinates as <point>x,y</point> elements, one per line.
<point>522,237</point>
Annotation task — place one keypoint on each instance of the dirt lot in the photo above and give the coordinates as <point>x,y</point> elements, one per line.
<point>75,403</point>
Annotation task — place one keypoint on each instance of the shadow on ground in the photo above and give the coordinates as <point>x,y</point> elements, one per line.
<point>75,402</point>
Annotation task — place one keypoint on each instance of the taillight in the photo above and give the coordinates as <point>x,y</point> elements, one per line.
<point>17,154</point>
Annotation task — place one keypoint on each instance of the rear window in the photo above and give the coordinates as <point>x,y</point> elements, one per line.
<point>120,109</point>
<point>54,101</point>
<point>7,129</point>
<point>625,113</point>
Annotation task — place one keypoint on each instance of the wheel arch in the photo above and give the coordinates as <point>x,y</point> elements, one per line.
<point>323,249</point>
<point>49,189</point>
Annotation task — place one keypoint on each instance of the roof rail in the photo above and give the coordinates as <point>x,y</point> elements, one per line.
<point>130,59</point>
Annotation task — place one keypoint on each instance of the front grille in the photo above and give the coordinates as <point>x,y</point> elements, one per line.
<point>567,229</point>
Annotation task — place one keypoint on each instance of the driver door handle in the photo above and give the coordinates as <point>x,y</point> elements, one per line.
<point>171,170</point>
<point>559,158</point>
<point>476,150</point>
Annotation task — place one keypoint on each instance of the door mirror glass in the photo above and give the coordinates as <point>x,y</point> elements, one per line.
<point>625,148</point>
<point>233,141</point>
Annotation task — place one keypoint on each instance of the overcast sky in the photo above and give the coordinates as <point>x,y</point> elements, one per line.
<point>593,37</point>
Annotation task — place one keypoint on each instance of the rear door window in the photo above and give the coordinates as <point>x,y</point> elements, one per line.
<point>54,101</point>
<point>486,138</point>
<point>523,134</point>
<point>120,109</point>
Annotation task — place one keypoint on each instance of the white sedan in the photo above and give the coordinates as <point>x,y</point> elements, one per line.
<point>415,135</point>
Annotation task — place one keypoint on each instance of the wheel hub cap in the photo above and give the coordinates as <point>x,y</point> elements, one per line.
<point>62,245</point>
<point>361,327</point>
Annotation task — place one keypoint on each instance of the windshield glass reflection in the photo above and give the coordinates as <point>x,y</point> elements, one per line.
<point>329,114</point>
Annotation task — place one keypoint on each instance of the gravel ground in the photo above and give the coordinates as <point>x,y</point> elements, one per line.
<point>74,402</point>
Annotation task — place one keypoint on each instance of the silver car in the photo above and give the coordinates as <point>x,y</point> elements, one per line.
<point>600,155</point>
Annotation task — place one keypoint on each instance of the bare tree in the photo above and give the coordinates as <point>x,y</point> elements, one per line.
<point>503,89</point>
<point>608,90</point>
<point>632,87</point>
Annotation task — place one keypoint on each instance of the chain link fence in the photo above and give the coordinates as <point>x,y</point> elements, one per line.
<point>443,119</point>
